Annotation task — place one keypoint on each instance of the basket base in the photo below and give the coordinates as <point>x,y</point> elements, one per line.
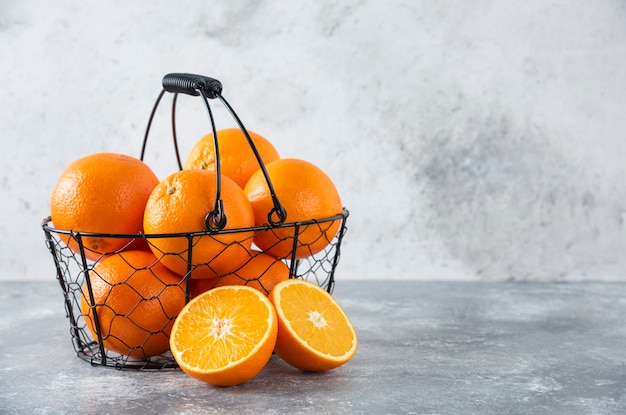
<point>91,354</point>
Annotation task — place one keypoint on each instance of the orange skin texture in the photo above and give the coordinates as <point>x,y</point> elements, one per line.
<point>179,204</point>
<point>261,271</point>
<point>306,193</point>
<point>102,193</point>
<point>136,300</point>
<point>237,160</point>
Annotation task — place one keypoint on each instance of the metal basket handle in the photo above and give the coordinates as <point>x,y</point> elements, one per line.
<point>210,88</point>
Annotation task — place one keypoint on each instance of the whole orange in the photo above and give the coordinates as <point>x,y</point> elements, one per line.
<point>237,160</point>
<point>102,193</point>
<point>261,271</point>
<point>136,300</point>
<point>180,204</point>
<point>306,193</point>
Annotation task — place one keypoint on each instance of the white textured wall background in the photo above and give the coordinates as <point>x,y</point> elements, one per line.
<point>470,140</point>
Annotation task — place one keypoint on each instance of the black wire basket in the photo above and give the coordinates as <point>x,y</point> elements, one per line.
<point>77,267</point>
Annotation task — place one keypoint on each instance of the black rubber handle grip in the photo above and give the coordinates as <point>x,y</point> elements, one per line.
<point>191,84</point>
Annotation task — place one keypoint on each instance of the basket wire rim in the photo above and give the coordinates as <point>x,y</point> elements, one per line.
<point>45,224</point>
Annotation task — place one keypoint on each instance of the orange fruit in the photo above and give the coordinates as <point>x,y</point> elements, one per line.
<point>136,300</point>
<point>102,193</point>
<point>180,204</point>
<point>306,193</point>
<point>261,271</point>
<point>237,160</point>
<point>314,333</point>
<point>225,336</point>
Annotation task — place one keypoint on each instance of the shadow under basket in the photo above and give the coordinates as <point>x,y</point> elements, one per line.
<point>75,268</point>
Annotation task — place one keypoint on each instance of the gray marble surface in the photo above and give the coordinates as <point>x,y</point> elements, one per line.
<point>425,348</point>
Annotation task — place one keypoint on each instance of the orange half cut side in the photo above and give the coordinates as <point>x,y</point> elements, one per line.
<point>225,336</point>
<point>314,333</point>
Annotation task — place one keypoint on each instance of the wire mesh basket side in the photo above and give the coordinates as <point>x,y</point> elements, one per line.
<point>75,271</point>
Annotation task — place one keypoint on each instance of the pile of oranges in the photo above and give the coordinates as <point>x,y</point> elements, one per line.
<point>170,262</point>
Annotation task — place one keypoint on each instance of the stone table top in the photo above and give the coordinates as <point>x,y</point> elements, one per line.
<point>424,348</point>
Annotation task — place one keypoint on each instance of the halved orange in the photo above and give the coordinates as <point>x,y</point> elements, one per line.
<point>314,333</point>
<point>225,336</point>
